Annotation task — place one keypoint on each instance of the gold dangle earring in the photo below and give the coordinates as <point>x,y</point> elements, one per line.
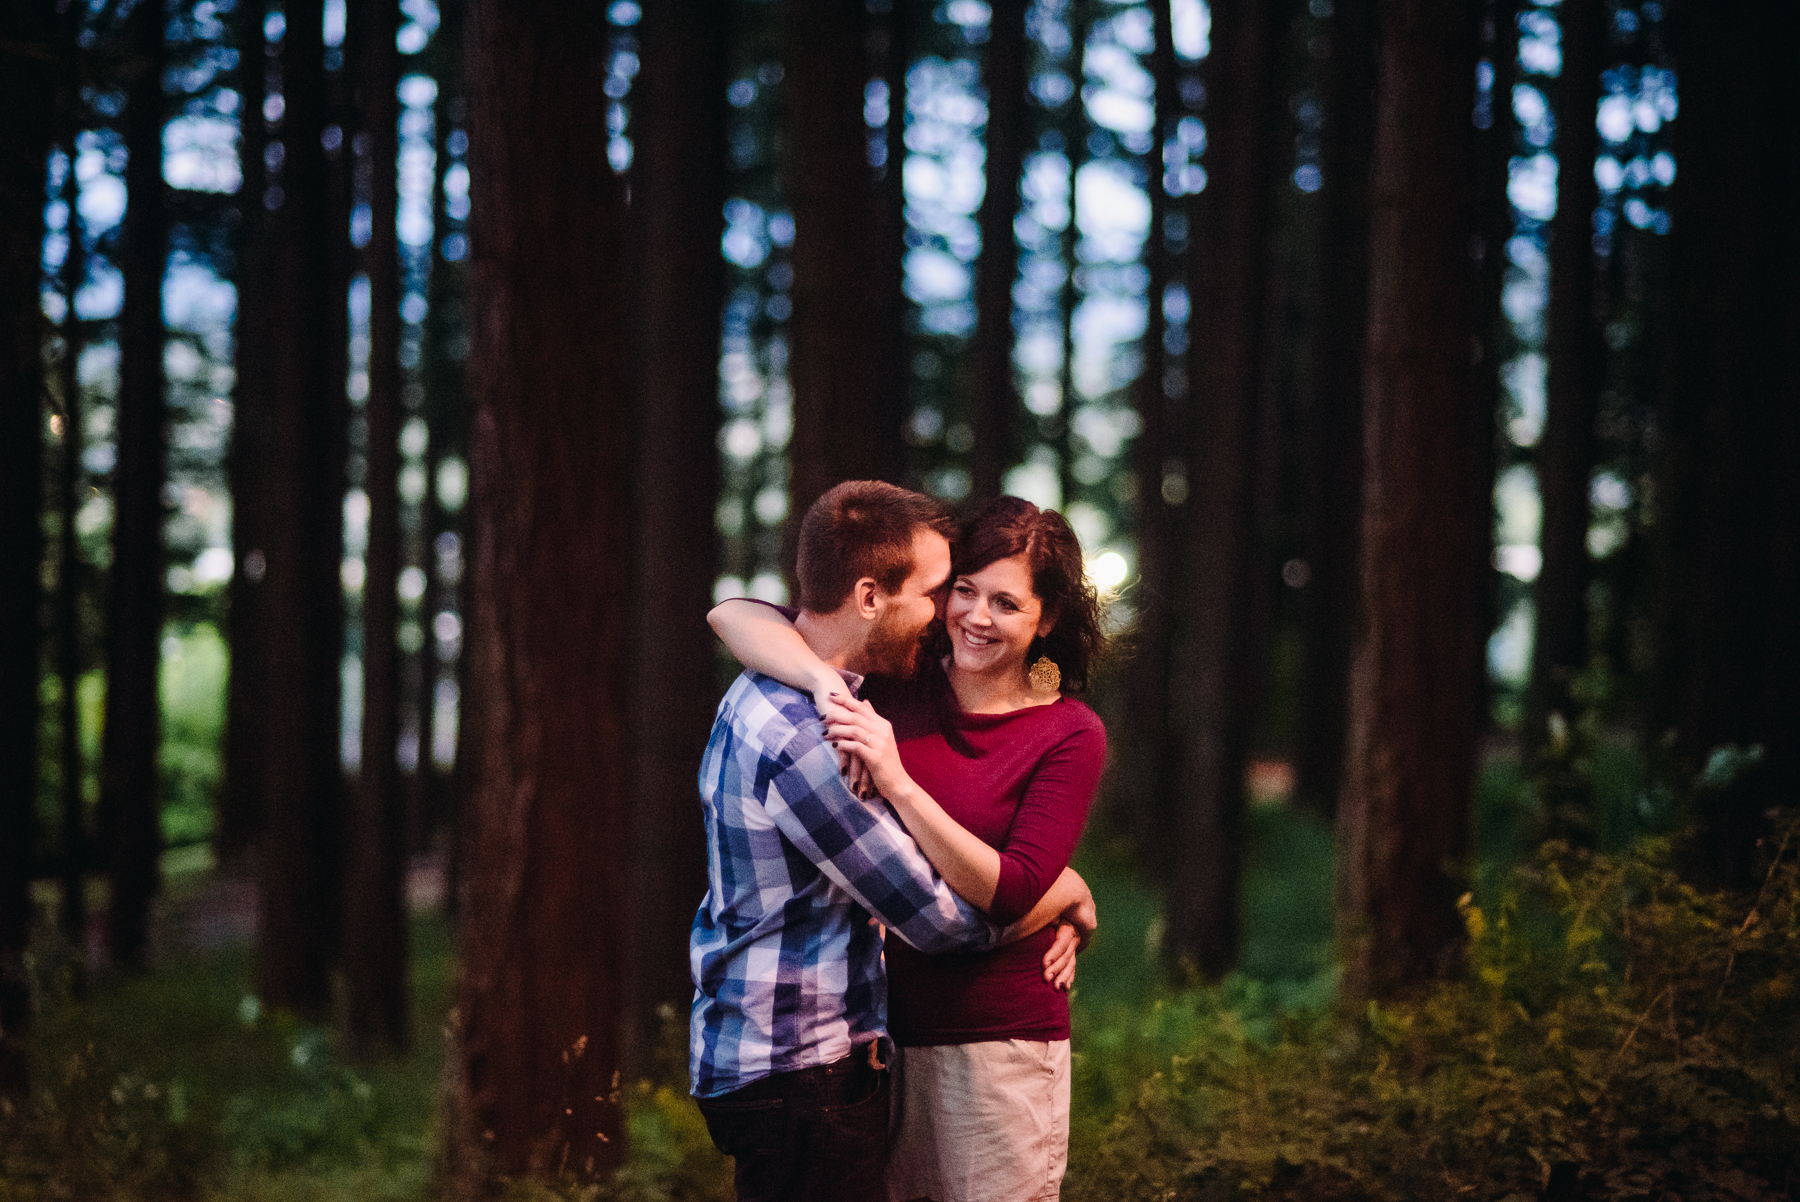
<point>1045,676</point>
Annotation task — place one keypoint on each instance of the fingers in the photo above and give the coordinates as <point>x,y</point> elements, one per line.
<point>1059,961</point>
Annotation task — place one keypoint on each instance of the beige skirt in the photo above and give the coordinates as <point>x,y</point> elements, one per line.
<point>980,1122</point>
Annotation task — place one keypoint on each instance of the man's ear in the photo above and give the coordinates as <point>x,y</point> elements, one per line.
<point>866,594</point>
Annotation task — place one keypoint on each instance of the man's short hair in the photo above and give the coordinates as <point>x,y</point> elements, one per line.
<point>861,528</point>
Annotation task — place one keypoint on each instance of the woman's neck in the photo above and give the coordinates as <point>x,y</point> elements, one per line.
<point>998,692</point>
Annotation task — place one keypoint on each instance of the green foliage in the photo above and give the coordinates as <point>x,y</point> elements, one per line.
<point>1617,1030</point>
<point>193,724</point>
<point>179,1083</point>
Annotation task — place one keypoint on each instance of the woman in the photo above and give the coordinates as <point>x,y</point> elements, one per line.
<point>992,768</point>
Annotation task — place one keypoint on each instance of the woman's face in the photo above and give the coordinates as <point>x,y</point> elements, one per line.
<point>992,616</point>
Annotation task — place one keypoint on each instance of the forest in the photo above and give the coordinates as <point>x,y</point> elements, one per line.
<point>390,387</point>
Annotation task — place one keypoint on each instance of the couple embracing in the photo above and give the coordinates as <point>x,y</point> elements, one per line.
<point>877,769</point>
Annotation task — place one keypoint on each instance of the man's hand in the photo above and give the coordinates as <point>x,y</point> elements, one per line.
<point>1059,961</point>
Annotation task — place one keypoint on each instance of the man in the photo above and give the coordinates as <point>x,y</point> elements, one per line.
<point>788,1037</point>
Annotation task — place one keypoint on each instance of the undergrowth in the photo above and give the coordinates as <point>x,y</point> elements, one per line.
<point>1618,1035</point>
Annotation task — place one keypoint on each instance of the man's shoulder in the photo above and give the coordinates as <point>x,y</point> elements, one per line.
<point>770,714</point>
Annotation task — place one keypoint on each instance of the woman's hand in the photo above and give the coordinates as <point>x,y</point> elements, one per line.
<point>853,726</point>
<point>1059,961</point>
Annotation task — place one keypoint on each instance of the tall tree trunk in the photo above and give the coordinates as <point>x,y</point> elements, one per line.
<point>1566,452</point>
<point>374,1013</point>
<point>1330,444</point>
<point>247,699</point>
<point>678,198</point>
<point>892,375</point>
<point>128,751</point>
<point>1074,130</point>
<point>1725,469</point>
<point>1148,689</point>
<point>1212,649</point>
<point>71,571</point>
<point>1416,698</point>
<point>27,86</point>
<point>996,391</point>
<point>839,429</point>
<point>536,1048</point>
<point>302,605</point>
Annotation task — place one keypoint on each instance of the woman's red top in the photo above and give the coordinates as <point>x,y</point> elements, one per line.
<point>1022,782</point>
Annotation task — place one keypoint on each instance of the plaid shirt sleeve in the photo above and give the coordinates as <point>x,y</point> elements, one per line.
<point>866,851</point>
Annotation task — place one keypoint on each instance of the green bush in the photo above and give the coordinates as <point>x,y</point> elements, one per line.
<point>1618,1034</point>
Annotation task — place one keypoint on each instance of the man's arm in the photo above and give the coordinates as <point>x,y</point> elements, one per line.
<point>866,852</point>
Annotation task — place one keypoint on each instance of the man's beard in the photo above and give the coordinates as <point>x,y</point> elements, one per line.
<point>893,649</point>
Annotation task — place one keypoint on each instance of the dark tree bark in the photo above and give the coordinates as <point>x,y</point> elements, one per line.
<point>1074,129</point>
<point>536,1049</point>
<point>891,375</point>
<point>1724,487</point>
<point>1148,687</point>
<point>840,431</point>
<point>302,607</point>
<point>129,820</point>
<point>375,942</point>
<point>27,87</point>
<point>1213,652</point>
<point>678,198</point>
<point>71,571</point>
<point>246,693</point>
<point>1416,698</point>
<point>996,391</point>
<point>1330,438</point>
<point>1566,452</point>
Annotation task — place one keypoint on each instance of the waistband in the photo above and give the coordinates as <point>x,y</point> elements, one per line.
<point>843,1081</point>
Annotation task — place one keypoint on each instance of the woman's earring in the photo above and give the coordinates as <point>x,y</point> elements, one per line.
<point>1046,677</point>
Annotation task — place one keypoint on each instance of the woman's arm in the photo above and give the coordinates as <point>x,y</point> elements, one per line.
<point>1004,883</point>
<point>762,639</point>
<point>971,867</point>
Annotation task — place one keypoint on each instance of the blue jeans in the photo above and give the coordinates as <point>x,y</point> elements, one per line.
<point>811,1135</point>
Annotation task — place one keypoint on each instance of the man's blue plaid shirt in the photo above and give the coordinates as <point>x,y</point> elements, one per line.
<point>787,970</point>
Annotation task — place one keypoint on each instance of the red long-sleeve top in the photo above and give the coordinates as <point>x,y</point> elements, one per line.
<point>1022,782</point>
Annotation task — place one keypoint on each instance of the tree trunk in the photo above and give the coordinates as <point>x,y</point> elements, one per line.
<point>1416,694</point>
<point>130,827</point>
<point>1148,688</point>
<point>678,201</point>
<point>892,375</point>
<point>536,1052</point>
<point>27,87</point>
<point>1566,452</point>
<point>996,390</point>
<point>247,700</point>
<point>1330,446</point>
<point>1074,130</point>
<point>840,431</point>
<point>374,896</point>
<point>1727,397</point>
<point>1212,682</point>
<point>302,604</point>
<point>71,571</point>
